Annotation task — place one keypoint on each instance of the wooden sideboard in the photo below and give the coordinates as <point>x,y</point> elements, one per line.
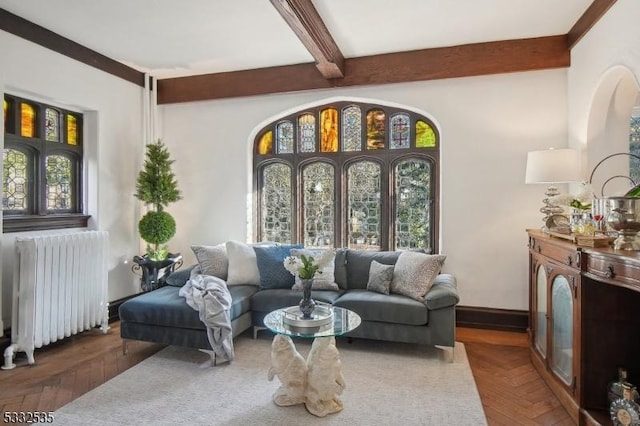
<point>584,321</point>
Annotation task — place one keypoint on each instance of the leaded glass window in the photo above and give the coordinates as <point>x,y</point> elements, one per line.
<point>15,182</point>
<point>425,135</point>
<point>72,130</point>
<point>364,205</point>
<point>359,175</point>
<point>276,203</point>
<point>58,187</point>
<point>27,120</point>
<point>413,200</point>
<point>42,162</point>
<point>352,128</point>
<point>399,131</point>
<point>265,145</point>
<point>376,129</point>
<point>52,125</point>
<point>329,130</point>
<point>285,137</point>
<point>307,133</point>
<point>318,213</point>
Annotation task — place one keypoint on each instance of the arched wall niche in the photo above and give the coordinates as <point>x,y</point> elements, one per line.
<point>608,131</point>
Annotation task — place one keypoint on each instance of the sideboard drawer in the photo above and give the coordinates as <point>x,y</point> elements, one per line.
<point>560,251</point>
<point>614,269</point>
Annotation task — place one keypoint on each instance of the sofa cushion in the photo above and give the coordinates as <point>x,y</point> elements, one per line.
<point>358,264</point>
<point>271,267</point>
<point>272,299</point>
<point>243,265</point>
<point>164,307</point>
<point>392,308</point>
<point>340,271</point>
<point>180,277</point>
<point>414,273</point>
<point>380,277</point>
<point>212,260</point>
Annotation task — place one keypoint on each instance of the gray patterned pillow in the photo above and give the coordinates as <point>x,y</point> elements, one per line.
<point>414,273</point>
<point>380,276</point>
<point>212,260</point>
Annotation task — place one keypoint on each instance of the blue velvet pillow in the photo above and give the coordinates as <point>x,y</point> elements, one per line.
<point>180,277</point>
<point>270,264</point>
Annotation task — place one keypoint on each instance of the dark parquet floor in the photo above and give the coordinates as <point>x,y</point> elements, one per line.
<point>511,391</point>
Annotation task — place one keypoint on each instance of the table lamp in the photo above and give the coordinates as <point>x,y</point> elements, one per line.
<point>552,166</point>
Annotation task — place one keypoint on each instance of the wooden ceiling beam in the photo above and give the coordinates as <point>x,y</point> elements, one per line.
<point>427,64</point>
<point>594,12</point>
<point>306,23</point>
<point>27,30</point>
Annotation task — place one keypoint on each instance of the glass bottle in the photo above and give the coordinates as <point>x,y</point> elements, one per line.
<point>616,387</point>
<point>625,411</point>
<point>574,220</point>
<point>586,224</point>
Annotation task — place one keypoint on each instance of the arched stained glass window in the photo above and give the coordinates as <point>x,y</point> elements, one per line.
<point>376,129</point>
<point>364,207</point>
<point>15,185</point>
<point>276,203</point>
<point>352,128</point>
<point>27,120</point>
<point>52,125</point>
<point>377,189</point>
<point>265,145</point>
<point>307,133</point>
<point>400,130</point>
<point>329,130</point>
<point>425,135</point>
<point>412,204</point>
<point>318,205</point>
<point>59,183</point>
<point>285,137</point>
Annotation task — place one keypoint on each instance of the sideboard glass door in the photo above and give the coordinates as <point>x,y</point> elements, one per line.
<point>541,311</point>
<point>562,329</point>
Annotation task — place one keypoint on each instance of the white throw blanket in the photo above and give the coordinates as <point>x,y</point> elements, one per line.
<point>211,298</point>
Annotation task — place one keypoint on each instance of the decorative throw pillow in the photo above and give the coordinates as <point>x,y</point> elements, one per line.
<point>212,260</point>
<point>180,277</point>
<point>324,278</point>
<point>414,273</point>
<point>380,276</point>
<point>270,262</point>
<point>243,266</point>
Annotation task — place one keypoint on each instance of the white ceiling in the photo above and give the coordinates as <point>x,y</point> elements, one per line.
<point>170,38</point>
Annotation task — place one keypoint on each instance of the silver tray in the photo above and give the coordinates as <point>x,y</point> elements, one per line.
<point>321,315</point>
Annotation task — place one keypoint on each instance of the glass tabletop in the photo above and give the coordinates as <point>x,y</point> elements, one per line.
<point>344,321</point>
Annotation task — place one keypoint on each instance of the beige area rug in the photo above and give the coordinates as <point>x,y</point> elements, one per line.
<point>387,384</point>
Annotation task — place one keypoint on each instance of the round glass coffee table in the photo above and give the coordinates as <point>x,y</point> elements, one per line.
<point>318,380</point>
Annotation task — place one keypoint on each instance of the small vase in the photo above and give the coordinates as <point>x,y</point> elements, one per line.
<point>307,304</point>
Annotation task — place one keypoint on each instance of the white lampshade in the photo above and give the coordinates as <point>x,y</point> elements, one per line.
<point>553,166</point>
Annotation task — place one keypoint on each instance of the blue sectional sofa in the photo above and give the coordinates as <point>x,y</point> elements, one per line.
<point>163,316</point>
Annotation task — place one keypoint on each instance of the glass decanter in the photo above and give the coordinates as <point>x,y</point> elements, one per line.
<point>625,411</point>
<point>615,387</point>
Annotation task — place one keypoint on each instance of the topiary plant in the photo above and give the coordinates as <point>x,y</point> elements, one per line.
<point>157,186</point>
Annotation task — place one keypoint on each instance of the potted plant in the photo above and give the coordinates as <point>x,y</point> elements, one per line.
<point>156,186</point>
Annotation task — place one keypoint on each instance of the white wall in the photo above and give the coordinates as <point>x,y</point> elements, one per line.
<point>603,87</point>
<point>487,126</point>
<point>113,147</point>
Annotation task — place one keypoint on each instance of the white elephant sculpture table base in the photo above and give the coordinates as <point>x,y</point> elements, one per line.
<point>316,382</point>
